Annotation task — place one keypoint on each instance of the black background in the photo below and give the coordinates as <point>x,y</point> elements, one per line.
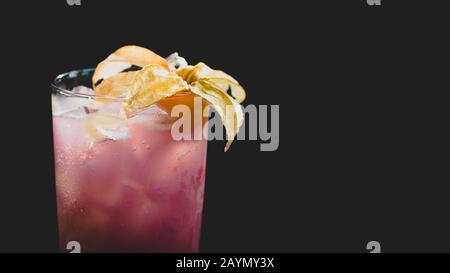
<point>363,145</point>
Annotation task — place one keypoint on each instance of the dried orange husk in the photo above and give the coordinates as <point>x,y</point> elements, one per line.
<point>188,73</point>
<point>228,109</point>
<point>108,69</point>
<point>218,78</point>
<point>116,86</point>
<point>224,84</point>
<point>201,71</point>
<point>195,103</point>
<point>158,83</point>
<point>124,58</point>
<point>152,84</point>
<point>182,98</point>
<point>137,55</point>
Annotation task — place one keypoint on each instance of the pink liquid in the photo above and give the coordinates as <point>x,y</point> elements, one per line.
<point>139,193</point>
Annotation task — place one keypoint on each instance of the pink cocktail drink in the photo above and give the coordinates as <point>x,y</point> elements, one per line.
<point>124,185</point>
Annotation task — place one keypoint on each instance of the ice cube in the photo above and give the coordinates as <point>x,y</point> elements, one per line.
<point>102,127</point>
<point>176,61</point>
<point>83,90</point>
<point>114,133</point>
<point>71,106</point>
<point>110,108</point>
<point>151,117</point>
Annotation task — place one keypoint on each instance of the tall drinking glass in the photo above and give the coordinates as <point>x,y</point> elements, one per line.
<point>123,185</point>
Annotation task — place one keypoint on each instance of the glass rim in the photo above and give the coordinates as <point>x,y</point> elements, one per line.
<point>55,85</point>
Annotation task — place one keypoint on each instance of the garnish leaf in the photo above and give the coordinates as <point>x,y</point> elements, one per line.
<point>228,109</point>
